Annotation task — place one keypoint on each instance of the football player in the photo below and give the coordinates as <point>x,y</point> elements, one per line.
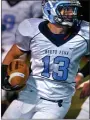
<point>57,43</point>
<point>13,12</point>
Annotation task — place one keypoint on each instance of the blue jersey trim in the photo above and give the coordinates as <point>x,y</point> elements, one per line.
<point>34,37</point>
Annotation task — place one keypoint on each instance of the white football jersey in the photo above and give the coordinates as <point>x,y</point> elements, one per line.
<point>13,15</point>
<point>53,67</point>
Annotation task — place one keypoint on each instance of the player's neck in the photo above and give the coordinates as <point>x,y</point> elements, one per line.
<point>57,29</point>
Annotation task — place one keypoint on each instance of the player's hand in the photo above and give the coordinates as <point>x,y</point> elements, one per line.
<point>78,79</point>
<point>8,87</point>
<point>85,90</point>
<point>5,85</point>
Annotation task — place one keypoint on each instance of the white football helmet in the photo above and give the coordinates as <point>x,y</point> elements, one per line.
<point>52,10</point>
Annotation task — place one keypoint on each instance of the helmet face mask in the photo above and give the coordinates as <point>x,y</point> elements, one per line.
<point>62,12</point>
<point>67,13</point>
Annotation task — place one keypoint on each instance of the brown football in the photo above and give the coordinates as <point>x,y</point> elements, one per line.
<point>18,71</point>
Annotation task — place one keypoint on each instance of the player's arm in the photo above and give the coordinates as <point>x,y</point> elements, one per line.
<point>14,53</point>
<point>85,90</point>
<point>85,70</point>
<point>22,41</point>
<point>86,85</point>
<point>82,73</point>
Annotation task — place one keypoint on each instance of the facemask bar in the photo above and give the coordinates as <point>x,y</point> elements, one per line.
<point>62,13</point>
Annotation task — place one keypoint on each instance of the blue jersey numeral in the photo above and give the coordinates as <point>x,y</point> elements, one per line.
<point>46,61</point>
<point>9,21</point>
<point>63,68</point>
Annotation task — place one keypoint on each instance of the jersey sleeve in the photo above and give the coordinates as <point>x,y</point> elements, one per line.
<point>85,34</point>
<point>24,35</point>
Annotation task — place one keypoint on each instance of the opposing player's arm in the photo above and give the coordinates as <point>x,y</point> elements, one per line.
<point>85,89</point>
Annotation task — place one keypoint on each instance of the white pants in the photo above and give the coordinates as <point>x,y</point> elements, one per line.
<point>84,113</point>
<point>43,109</point>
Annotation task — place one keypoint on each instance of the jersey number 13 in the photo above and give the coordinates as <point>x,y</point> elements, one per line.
<point>57,60</point>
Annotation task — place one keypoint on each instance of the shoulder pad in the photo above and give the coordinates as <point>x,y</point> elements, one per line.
<point>29,27</point>
<point>84,31</point>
